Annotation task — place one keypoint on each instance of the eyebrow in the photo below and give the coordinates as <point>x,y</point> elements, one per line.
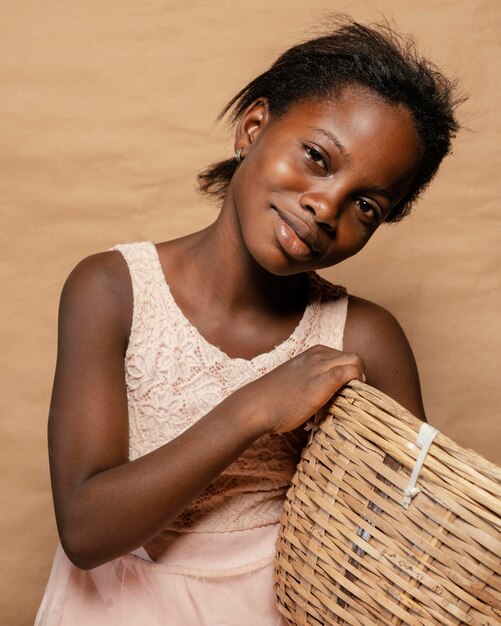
<point>381,191</point>
<point>335,141</point>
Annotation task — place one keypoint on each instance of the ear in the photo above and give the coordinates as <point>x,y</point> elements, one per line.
<point>254,119</point>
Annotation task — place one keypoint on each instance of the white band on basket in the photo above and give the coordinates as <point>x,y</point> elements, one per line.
<point>425,436</point>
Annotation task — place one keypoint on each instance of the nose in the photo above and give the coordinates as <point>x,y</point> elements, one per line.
<point>325,210</point>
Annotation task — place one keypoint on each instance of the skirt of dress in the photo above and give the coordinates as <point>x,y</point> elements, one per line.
<point>200,579</point>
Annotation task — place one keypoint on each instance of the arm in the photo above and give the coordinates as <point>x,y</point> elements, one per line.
<point>107,506</point>
<point>375,334</point>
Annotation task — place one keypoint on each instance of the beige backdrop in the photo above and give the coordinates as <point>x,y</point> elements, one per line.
<point>107,114</point>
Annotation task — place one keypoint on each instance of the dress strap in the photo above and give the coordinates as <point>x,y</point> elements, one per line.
<point>333,309</point>
<point>143,263</point>
<point>147,286</point>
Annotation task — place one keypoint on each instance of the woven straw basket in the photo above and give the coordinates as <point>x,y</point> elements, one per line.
<point>349,552</point>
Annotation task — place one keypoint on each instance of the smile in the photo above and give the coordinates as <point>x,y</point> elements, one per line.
<point>295,236</point>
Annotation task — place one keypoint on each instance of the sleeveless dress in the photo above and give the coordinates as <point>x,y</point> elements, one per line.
<point>213,566</point>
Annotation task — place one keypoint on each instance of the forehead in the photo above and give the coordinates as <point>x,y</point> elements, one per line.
<point>379,137</point>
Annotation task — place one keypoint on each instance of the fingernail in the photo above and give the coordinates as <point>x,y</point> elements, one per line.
<point>364,378</point>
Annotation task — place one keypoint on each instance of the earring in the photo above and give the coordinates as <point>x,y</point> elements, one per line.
<point>238,155</point>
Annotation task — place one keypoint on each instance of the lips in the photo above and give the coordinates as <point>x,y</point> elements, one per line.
<point>296,237</point>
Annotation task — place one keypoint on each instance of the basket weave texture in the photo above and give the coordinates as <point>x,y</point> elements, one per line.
<point>348,552</point>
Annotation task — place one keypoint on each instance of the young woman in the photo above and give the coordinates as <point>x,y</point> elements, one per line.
<point>186,370</point>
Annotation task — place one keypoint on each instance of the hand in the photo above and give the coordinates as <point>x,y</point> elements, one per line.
<point>289,395</point>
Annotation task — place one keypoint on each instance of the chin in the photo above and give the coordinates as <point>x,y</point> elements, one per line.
<point>278,263</point>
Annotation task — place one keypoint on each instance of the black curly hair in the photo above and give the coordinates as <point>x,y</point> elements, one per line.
<point>375,57</point>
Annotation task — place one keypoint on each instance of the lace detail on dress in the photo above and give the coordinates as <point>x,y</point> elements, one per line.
<point>174,377</point>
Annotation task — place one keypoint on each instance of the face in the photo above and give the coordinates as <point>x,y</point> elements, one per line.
<point>317,182</point>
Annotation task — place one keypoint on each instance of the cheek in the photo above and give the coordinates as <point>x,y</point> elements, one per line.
<point>279,171</point>
<point>351,235</point>
<point>284,170</point>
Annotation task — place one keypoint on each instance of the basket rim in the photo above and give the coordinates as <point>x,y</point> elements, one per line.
<point>385,402</point>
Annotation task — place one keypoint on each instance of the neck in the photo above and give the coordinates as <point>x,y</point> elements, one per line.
<point>232,277</point>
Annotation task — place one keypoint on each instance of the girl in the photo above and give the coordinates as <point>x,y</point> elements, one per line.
<point>186,370</point>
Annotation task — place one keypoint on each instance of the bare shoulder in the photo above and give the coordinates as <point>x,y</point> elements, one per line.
<point>374,333</point>
<point>99,287</point>
<point>104,271</point>
<point>370,327</point>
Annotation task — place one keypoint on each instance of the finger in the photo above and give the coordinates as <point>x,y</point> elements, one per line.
<point>344,358</point>
<point>322,350</point>
<point>342,374</point>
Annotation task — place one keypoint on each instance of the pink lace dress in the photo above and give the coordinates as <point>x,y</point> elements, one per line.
<point>213,566</point>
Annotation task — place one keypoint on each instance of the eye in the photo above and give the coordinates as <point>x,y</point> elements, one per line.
<point>312,154</point>
<point>369,209</point>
